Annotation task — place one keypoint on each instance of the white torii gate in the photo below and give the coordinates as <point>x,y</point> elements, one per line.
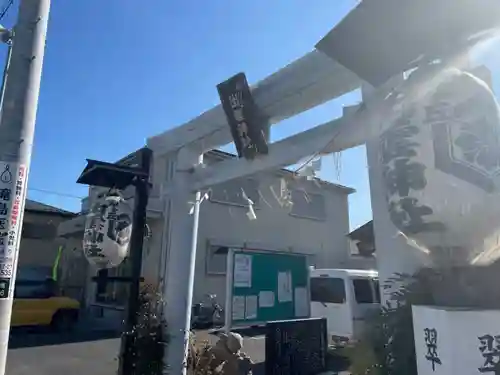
<point>308,82</point>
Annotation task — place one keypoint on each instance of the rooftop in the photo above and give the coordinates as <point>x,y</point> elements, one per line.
<point>38,207</point>
<point>363,233</point>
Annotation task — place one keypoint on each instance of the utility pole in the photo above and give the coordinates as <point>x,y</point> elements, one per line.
<point>17,126</point>
<point>5,73</point>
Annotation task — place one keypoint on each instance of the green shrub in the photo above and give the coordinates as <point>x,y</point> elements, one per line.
<point>148,339</point>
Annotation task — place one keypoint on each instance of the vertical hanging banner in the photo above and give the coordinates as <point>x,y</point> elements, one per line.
<point>249,127</point>
<point>12,189</point>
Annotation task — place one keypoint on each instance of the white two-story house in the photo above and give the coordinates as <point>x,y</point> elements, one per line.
<point>316,224</point>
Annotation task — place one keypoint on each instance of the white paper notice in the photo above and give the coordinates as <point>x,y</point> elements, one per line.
<point>238,308</point>
<point>242,271</point>
<point>301,303</point>
<point>266,298</point>
<point>285,287</point>
<point>251,307</point>
<point>12,189</point>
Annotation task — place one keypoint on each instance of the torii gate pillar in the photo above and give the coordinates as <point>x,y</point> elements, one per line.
<point>181,226</point>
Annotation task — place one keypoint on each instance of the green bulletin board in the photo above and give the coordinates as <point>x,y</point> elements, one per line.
<point>265,286</point>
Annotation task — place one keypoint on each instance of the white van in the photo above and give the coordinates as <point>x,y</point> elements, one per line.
<point>344,297</point>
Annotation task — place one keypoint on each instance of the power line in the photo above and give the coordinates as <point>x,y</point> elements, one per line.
<point>6,9</point>
<point>51,192</point>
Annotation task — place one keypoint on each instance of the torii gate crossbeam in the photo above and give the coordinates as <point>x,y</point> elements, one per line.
<point>307,82</point>
<point>350,130</point>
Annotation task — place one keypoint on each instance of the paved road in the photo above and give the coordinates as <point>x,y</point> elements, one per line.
<point>90,353</point>
<point>49,354</point>
<point>95,357</point>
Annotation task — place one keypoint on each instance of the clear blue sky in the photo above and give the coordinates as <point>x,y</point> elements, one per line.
<point>119,71</point>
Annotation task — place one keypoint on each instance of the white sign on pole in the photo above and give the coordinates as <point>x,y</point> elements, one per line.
<point>6,270</point>
<point>12,190</point>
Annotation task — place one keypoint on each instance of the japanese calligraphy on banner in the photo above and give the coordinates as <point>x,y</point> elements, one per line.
<point>107,232</point>
<point>456,341</point>
<point>12,190</point>
<point>249,128</point>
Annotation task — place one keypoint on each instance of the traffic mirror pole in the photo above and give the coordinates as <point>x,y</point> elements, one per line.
<point>17,124</point>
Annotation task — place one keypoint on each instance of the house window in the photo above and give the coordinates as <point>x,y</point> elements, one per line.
<point>217,259</point>
<point>308,205</point>
<point>113,292</point>
<point>232,192</point>
<point>362,249</point>
<point>169,169</point>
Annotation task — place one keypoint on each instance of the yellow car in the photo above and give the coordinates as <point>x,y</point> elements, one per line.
<point>36,303</point>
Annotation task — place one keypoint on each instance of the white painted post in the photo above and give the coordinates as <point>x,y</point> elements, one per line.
<point>181,262</point>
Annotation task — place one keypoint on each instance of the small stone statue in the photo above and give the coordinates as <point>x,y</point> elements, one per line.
<point>226,357</point>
